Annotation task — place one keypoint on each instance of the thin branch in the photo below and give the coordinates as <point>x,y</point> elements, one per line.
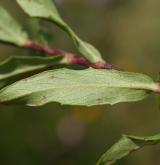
<point>69,57</point>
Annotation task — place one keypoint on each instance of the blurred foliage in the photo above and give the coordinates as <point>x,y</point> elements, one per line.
<point>127,33</point>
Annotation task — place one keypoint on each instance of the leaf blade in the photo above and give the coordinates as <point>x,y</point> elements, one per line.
<point>84,87</point>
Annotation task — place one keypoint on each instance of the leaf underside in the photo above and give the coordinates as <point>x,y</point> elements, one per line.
<point>83,87</point>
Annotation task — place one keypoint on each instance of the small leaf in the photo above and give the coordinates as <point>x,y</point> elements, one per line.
<point>17,65</point>
<point>47,10</point>
<point>79,87</point>
<point>10,30</point>
<point>125,146</point>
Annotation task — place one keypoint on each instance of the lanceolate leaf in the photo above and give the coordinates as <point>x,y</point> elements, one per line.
<point>47,10</point>
<point>79,87</point>
<point>10,30</point>
<point>19,65</point>
<point>125,146</point>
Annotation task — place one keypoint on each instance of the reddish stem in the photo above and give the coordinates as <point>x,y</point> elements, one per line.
<point>42,48</point>
<point>70,58</point>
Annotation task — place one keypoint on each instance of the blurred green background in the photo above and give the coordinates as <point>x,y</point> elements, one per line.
<point>127,32</point>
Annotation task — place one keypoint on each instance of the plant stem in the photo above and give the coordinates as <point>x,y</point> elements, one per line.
<point>69,57</point>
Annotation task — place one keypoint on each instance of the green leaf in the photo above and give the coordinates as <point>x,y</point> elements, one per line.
<point>10,30</point>
<point>47,10</point>
<point>17,65</point>
<point>79,87</point>
<point>125,146</point>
